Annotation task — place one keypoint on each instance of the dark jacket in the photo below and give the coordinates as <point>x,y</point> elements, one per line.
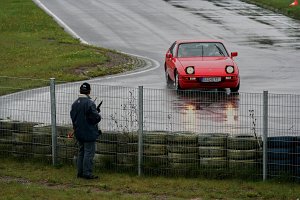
<point>85,119</point>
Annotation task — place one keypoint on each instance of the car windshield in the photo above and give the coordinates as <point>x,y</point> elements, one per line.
<point>201,49</point>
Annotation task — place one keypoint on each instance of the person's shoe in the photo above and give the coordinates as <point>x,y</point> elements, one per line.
<point>89,177</point>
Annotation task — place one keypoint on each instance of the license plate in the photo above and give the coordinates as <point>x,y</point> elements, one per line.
<point>211,79</point>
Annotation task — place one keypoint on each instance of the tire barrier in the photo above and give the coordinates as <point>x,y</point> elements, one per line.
<point>7,125</point>
<point>127,159</point>
<point>247,164</point>
<point>63,131</point>
<point>105,161</point>
<point>182,157</point>
<point>23,127</point>
<point>42,139</point>
<point>155,150</point>
<point>155,162</point>
<point>188,139</point>
<point>244,153</point>
<point>155,137</point>
<point>127,151</point>
<point>184,152</point>
<point>243,142</point>
<point>66,148</point>
<point>181,149</point>
<point>6,129</point>
<point>109,136</point>
<point>182,167</point>
<point>127,137</point>
<point>214,162</point>
<point>5,147</point>
<point>22,148</point>
<point>106,148</point>
<point>22,137</point>
<point>297,158</point>
<point>213,139</point>
<point>211,150</point>
<point>42,149</point>
<point>127,147</point>
<point>281,155</point>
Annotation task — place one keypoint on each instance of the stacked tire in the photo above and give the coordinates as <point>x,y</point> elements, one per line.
<point>212,150</point>
<point>281,155</point>
<point>66,148</point>
<point>297,158</point>
<point>6,127</point>
<point>16,138</point>
<point>42,142</point>
<point>106,150</point>
<point>182,152</point>
<point>244,153</point>
<point>127,151</point>
<point>22,134</point>
<point>154,151</point>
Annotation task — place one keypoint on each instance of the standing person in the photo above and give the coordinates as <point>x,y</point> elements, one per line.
<point>85,118</point>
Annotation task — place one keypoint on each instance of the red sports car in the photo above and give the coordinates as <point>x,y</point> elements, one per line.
<point>202,64</point>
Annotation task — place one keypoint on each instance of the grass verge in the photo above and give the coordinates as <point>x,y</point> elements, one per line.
<point>28,180</point>
<point>35,47</point>
<point>280,6</point>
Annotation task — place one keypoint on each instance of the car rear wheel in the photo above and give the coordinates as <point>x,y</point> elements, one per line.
<point>236,89</point>
<point>176,82</point>
<point>168,79</point>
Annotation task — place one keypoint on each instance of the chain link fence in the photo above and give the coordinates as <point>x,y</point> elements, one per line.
<point>158,131</point>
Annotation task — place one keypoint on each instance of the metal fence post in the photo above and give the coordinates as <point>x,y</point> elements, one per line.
<point>265,134</point>
<point>53,120</point>
<point>141,125</point>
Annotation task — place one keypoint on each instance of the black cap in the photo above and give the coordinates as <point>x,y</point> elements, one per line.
<point>85,88</point>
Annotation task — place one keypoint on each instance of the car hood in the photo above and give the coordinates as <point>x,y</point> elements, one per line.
<point>206,62</point>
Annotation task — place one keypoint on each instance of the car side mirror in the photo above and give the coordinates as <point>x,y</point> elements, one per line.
<point>234,54</point>
<point>169,55</point>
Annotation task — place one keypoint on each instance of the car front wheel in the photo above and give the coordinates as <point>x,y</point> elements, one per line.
<point>168,79</point>
<point>236,89</point>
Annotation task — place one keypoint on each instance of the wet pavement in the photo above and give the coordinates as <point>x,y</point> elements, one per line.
<point>268,43</point>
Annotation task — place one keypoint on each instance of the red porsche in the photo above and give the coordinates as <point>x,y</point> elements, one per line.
<point>200,64</point>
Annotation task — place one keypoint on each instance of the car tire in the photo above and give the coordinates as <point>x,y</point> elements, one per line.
<point>235,89</point>
<point>168,79</point>
<point>176,82</point>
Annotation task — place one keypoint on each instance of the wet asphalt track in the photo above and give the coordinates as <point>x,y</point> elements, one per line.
<point>268,44</point>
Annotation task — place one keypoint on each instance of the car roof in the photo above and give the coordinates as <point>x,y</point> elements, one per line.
<point>191,41</point>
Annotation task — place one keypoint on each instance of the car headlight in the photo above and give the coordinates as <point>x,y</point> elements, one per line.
<point>229,69</point>
<point>190,70</point>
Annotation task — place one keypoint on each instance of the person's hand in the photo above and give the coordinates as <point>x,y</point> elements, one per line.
<point>98,109</point>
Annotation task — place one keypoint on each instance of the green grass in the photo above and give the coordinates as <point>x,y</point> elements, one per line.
<point>30,180</point>
<point>281,6</point>
<point>34,46</point>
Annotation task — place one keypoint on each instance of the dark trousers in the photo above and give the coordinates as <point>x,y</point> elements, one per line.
<point>85,158</point>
